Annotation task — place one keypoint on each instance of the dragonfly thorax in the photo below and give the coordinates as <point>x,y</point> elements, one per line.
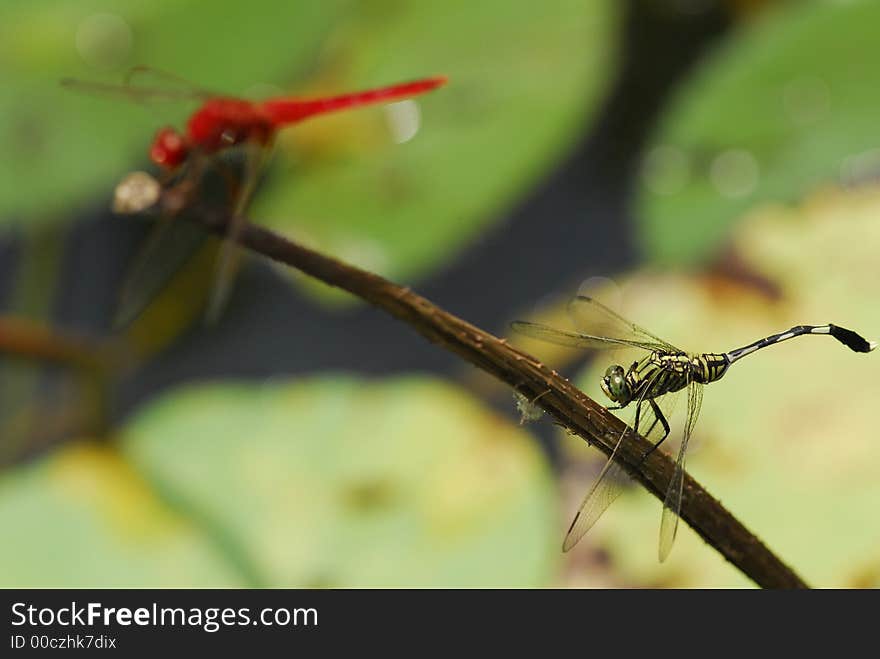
<point>220,123</point>
<point>224,122</point>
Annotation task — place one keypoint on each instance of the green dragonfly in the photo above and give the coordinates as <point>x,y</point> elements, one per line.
<point>665,369</point>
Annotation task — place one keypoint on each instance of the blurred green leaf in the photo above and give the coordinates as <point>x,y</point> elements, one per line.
<point>787,438</point>
<point>61,147</point>
<point>330,481</point>
<point>524,80</point>
<point>338,481</point>
<point>787,102</point>
<point>82,517</point>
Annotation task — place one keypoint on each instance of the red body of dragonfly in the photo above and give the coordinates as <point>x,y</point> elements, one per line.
<point>220,122</point>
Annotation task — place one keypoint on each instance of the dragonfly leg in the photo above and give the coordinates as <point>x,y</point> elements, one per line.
<point>662,419</point>
<point>638,412</point>
<point>230,179</point>
<point>648,432</point>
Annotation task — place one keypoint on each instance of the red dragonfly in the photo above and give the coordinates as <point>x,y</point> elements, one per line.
<point>220,123</point>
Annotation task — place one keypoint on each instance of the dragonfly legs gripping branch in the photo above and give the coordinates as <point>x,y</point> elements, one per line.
<point>664,369</point>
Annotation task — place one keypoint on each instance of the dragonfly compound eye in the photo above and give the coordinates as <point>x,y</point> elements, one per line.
<point>169,149</point>
<point>614,384</point>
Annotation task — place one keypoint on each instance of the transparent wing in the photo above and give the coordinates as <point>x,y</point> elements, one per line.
<point>143,84</point>
<point>610,484</point>
<point>256,156</point>
<point>672,502</point>
<point>170,245</point>
<point>613,479</point>
<point>575,339</point>
<point>594,319</point>
<point>131,92</point>
<point>150,76</point>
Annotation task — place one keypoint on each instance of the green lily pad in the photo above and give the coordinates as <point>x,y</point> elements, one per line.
<point>786,440</point>
<point>61,147</point>
<point>83,518</point>
<point>523,82</point>
<point>331,481</point>
<point>343,482</point>
<point>789,101</point>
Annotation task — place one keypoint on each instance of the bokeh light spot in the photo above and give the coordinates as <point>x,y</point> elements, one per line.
<point>665,170</point>
<point>806,100</point>
<point>860,168</point>
<point>404,119</point>
<point>734,173</point>
<point>104,40</point>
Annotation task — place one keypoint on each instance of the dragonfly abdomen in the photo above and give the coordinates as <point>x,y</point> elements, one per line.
<point>709,367</point>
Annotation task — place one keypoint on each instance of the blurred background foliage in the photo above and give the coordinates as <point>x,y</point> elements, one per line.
<point>710,167</point>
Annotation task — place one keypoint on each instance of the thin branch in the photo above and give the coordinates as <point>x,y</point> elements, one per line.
<point>32,427</point>
<point>560,399</point>
<point>27,339</point>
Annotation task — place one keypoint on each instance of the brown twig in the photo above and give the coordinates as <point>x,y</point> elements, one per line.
<point>27,339</point>
<point>560,399</point>
<point>93,362</point>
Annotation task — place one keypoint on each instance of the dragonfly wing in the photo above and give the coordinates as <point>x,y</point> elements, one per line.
<point>575,339</point>
<point>672,502</point>
<point>132,92</point>
<point>169,247</point>
<point>144,84</point>
<point>610,483</point>
<point>593,318</point>
<point>152,78</point>
<point>256,156</point>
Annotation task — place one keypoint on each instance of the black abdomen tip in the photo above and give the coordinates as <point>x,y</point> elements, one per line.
<point>852,340</point>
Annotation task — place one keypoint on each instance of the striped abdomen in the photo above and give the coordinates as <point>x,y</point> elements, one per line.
<point>664,373</point>
<point>709,367</point>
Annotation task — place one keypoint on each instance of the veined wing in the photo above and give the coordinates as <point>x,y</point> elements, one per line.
<point>131,92</point>
<point>578,340</point>
<point>170,245</point>
<point>613,479</point>
<point>609,485</point>
<point>159,86</point>
<point>256,156</point>
<point>672,503</point>
<point>159,78</point>
<point>594,319</point>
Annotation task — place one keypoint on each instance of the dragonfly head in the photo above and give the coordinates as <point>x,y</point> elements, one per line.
<point>615,386</point>
<point>170,149</point>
